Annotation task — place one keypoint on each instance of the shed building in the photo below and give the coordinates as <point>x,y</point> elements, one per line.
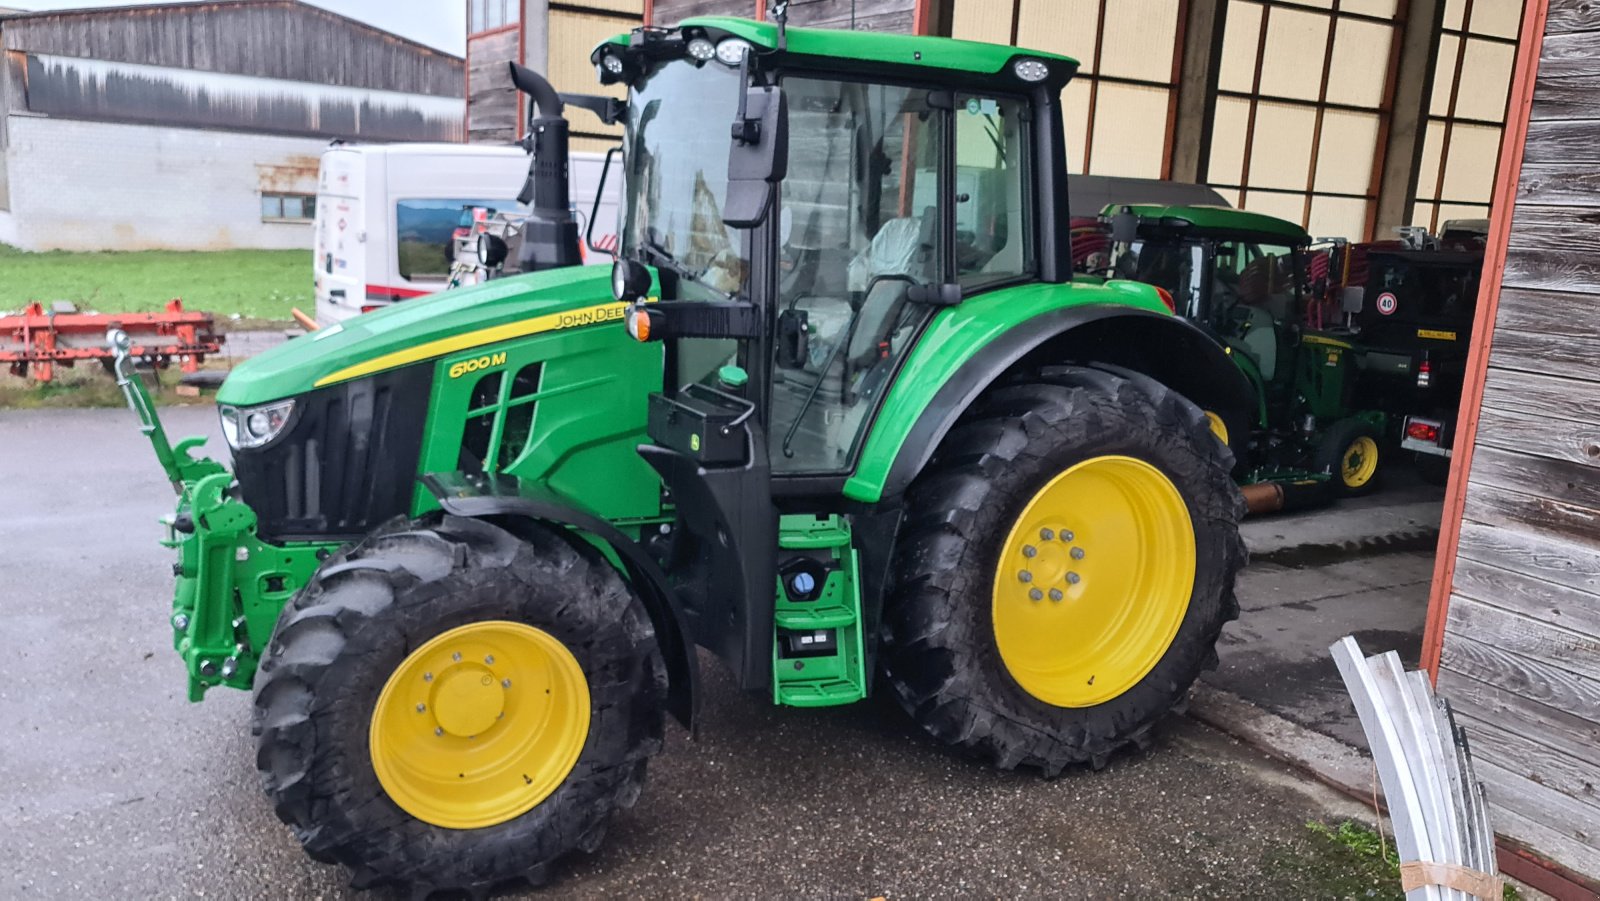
<point>197,126</point>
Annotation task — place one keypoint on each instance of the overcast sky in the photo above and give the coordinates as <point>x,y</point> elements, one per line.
<point>438,23</point>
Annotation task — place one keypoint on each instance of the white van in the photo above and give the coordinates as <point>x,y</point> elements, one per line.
<point>387,215</point>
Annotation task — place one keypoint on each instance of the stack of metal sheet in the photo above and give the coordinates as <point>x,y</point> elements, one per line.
<point>1436,803</point>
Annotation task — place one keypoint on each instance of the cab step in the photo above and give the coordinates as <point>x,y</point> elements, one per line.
<point>817,658</point>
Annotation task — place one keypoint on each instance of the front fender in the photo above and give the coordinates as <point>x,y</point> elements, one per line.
<point>924,405</point>
<point>511,499</point>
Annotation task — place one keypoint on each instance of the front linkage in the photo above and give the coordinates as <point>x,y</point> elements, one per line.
<point>230,585</point>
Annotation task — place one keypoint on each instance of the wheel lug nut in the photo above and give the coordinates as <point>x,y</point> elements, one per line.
<point>1029,550</point>
<point>1073,579</point>
<point>489,660</point>
<point>1077,553</point>
<point>438,730</point>
<point>1067,535</point>
<point>1035,594</point>
<point>1056,595</point>
<point>1046,534</point>
<point>427,677</point>
<point>456,656</point>
<point>505,683</point>
<point>422,708</point>
<point>1025,576</point>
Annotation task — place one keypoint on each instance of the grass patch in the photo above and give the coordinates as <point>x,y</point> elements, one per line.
<point>1349,860</point>
<point>89,385</point>
<point>257,285</point>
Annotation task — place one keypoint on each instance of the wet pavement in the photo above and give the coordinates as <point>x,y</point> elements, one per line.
<point>112,785</point>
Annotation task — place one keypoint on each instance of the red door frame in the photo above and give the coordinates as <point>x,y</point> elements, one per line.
<point>1523,78</point>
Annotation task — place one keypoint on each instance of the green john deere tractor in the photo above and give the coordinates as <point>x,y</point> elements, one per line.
<point>1243,277</point>
<point>840,410</point>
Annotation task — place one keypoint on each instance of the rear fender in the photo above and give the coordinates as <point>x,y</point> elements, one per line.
<point>512,504</point>
<point>1162,347</point>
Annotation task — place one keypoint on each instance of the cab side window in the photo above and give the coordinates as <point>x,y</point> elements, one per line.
<point>993,209</point>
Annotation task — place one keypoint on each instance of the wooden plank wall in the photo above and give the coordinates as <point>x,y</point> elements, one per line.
<point>491,99</point>
<point>1521,656</point>
<point>268,38</point>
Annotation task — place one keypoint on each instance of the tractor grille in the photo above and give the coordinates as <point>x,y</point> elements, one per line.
<point>347,463</point>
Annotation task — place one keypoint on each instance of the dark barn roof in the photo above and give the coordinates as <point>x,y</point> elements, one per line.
<point>284,39</point>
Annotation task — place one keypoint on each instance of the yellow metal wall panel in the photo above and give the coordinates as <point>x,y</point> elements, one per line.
<point>1444,75</point>
<point>573,35</point>
<point>1349,142</point>
<point>1227,141</point>
<point>635,7</point>
<point>1075,112</point>
<point>1501,18</point>
<point>1485,80</point>
<point>1285,206</point>
<point>1470,162</point>
<point>1448,211</point>
<point>1428,168</point>
<point>982,20</point>
<point>1296,42</point>
<point>1337,217</point>
<point>1239,40</point>
<point>1060,26</point>
<point>1280,155</point>
<point>1454,11</point>
<point>1422,214</point>
<point>1130,135</point>
<point>1382,8</point>
<point>1360,63</point>
<point>1140,39</point>
<point>1320,4</point>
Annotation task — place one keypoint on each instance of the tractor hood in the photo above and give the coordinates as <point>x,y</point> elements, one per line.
<point>426,328</point>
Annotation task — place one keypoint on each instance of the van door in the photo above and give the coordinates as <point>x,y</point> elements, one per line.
<point>339,260</point>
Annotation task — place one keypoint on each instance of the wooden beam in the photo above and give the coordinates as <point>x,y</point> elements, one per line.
<point>1525,76</point>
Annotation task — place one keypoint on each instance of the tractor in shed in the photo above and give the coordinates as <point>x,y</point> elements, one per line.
<point>1246,278</point>
<point>840,415</point>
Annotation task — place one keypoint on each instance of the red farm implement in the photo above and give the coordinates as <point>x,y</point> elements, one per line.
<point>35,341</point>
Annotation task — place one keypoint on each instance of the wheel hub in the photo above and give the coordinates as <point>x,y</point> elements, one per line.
<point>468,700</point>
<point>1094,581</point>
<point>480,724</point>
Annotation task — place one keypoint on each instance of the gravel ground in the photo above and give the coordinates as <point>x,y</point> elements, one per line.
<point>112,785</point>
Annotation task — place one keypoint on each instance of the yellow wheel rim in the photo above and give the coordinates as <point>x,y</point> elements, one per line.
<point>1360,462</point>
<point>1093,582</point>
<point>1218,427</point>
<point>480,724</point>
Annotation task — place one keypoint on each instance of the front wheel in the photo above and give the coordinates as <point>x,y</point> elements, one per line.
<point>1065,570</point>
<point>451,708</point>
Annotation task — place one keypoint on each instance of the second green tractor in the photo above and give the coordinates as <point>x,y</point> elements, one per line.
<point>840,415</point>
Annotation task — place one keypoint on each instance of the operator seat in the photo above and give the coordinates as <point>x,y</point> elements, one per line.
<point>901,247</point>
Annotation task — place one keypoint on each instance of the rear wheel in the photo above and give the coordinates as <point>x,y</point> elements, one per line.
<point>1066,567</point>
<point>1351,452</point>
<point>448,707</point>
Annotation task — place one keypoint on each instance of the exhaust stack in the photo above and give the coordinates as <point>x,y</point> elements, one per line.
<point>550,236</point>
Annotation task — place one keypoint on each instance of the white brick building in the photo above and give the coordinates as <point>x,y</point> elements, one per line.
<point>197,126</point>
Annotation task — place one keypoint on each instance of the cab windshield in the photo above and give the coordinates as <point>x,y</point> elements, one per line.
<point>677,176</point>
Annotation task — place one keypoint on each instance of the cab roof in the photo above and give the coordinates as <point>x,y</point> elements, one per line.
<point>1215,220</point>
<point>879,47</point>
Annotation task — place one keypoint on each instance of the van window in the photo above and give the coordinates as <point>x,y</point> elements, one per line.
<point>425,232</point>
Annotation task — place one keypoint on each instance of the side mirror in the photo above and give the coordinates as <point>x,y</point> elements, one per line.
<point>945,295</point>
<point>1125,226</point>
<point>760,156</point>
<point>794,339</point>
<point>1352,299</point>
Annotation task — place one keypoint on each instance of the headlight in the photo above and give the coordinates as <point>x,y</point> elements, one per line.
<point>732,51</point>
<point>491,251</point>
<point>253,426</point>
<point>1031,70</point>
<point>612,63</point>
<point>702,49</point>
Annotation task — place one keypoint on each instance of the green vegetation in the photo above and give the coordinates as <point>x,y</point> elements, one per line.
<point>259,285</point>
<point>1349,860</point>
